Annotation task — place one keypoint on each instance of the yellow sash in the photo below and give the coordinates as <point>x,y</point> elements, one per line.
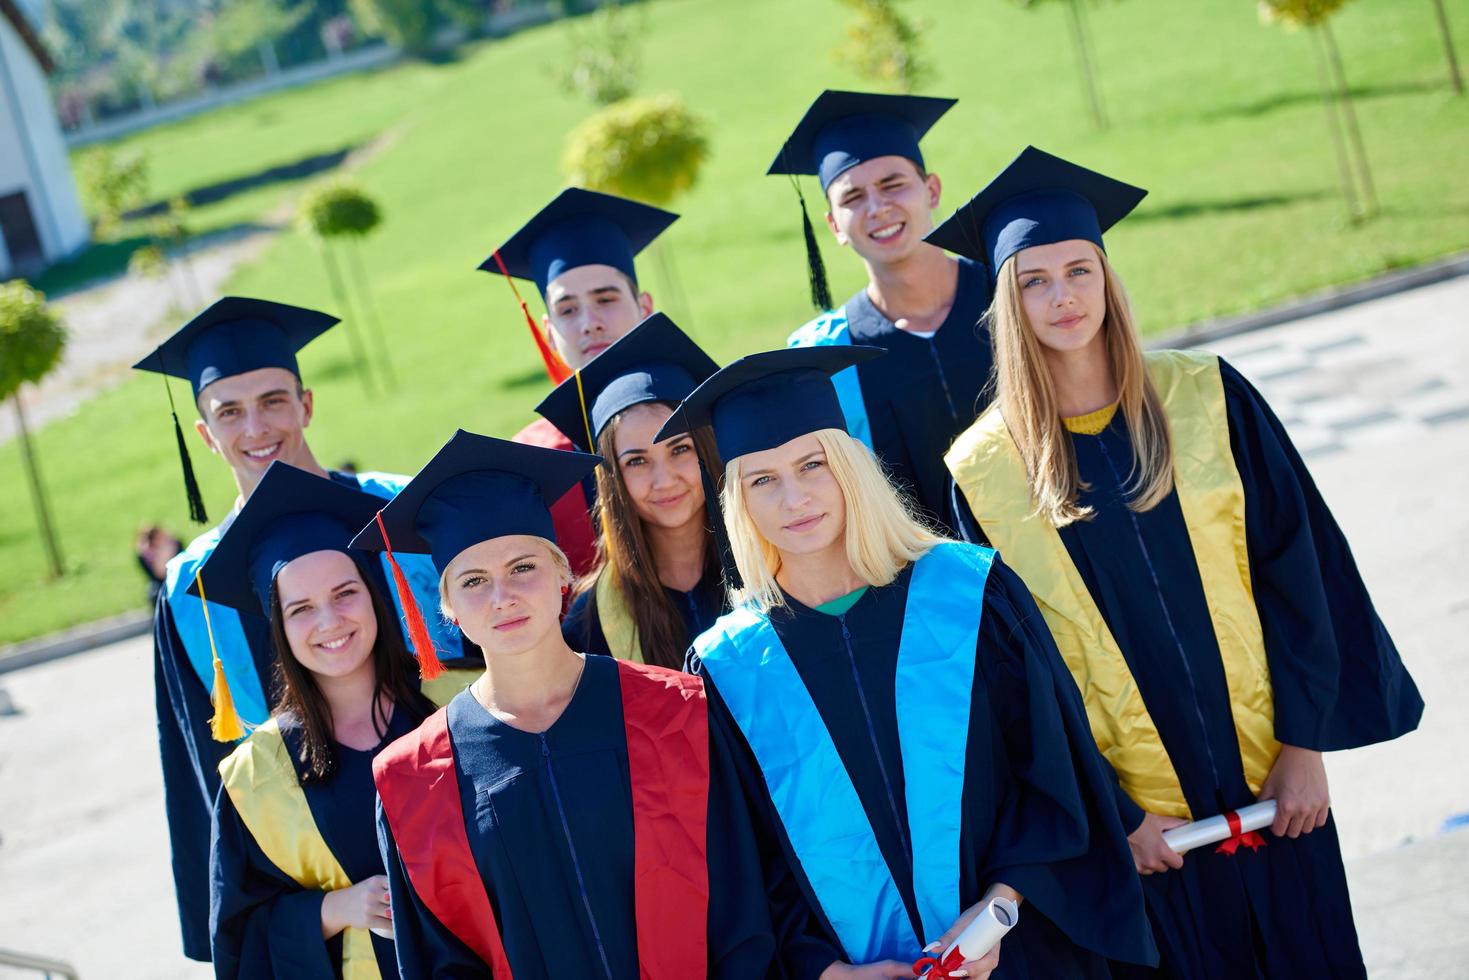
<point>989,471</point>
<point>263,786</point>
<point>442,689</point>
<point>617,622</point>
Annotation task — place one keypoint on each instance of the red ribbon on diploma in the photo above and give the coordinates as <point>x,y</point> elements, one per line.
<point>1238,837</point>
<point>940,970</point>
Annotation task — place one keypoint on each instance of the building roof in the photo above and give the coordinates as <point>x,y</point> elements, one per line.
<point>11,13</point>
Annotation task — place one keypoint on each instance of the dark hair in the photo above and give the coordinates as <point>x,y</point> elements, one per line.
<point>623,548</point>
<point>301,696</point>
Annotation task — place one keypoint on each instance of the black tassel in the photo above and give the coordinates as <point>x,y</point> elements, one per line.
<point>815,268</point>
<point>191,485</point>
<point>732,579</point>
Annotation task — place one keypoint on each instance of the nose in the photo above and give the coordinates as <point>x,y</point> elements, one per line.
<point>793,496</point>
<point>501,595</point>
<point>1061,294</point>
<point>255,422</point>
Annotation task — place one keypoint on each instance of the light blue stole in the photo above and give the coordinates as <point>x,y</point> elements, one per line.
<point>830,329</point>
<point>246,687</point>
<point>810,787</point>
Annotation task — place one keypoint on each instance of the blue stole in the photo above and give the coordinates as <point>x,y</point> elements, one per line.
<point>827,330</point>
<point>811,789</point>
<point>246,687</point>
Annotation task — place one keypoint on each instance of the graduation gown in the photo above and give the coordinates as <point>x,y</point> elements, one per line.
<point>572,514</point>
<point>546,864</point>
<point>700,607</point>
<point>1334,676</point>
<point>264,924</point>
<point>908,406</point>
<point>1030,801</point>
<point>189,754</point>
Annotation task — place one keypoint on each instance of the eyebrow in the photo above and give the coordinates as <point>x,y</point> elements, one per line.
<point>235,401</point>
<point>520,558</point>
<point>761,472</point>
<point>1028,272</point>
<point>336,588</point>
<point>675,441</point>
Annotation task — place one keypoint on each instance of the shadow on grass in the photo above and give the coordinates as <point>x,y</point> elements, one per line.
<point>1312,96</point>
<point>212,193</point>
<point>1193,209</point>
<point>102,261</point>
<point>525,379</point>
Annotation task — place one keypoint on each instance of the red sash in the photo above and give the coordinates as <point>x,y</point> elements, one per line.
<point>572,514</point>
<point>666,722</point>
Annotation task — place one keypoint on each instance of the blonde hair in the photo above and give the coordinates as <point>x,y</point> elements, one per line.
<point>882,535</point>
<point>1026,396</point>
<point>558,558</point>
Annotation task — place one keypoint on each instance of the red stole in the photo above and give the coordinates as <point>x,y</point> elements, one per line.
<point>666,722</point>
<point>572,514</point>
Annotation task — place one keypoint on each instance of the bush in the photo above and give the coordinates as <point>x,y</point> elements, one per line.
<point>882,45</point>
<point>31,337</point>
<point>648,148</point>
<point>113,183</point>
<point>1298,13</point>
<point>605,62</point>
<point>338,207</point>
<point>403,23</point>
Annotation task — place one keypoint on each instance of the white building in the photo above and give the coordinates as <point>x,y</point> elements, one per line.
<point>41,219</point>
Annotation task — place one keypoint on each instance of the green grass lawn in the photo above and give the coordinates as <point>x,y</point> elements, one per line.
<point>1215,113</point>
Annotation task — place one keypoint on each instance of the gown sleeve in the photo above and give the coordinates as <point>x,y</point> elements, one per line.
<point>424,946</point>
<point>190,758</point>
<point>1337,677</point>
<point>262,923</point>
<point>961,518</point>
<point>1058,837</point>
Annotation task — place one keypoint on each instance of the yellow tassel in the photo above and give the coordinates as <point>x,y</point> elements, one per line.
<point>225,725</point>
<point>585,419</point>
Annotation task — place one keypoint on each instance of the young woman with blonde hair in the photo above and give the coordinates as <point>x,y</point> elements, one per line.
<point>910,744</point>
<point>656,582</point>
<point>1195,582</point>
<point>567,815</point>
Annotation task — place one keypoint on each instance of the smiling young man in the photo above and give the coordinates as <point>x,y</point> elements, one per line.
<point>213,668</point>
<point>579,251</point>
<point>920,305</point>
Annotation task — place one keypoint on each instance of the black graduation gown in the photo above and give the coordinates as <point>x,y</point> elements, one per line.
<point>1038,799</point>
<point>264,924</point>
<point>1337,679</point>
<point>549,820</point>
<point>926,390</point>
<point>191,757</point>
<point>699,607</point>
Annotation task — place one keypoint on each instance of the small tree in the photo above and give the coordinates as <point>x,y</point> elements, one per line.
<point>405,24</point>
<point>113,183</point>
<point>31,342</point>
<point>605,60</point>
<point>1086,58</point>
<point>884,46</point>
<point>341,211</point>
<point>1336,96</point>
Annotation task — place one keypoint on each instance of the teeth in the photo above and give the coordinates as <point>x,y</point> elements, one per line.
<point>888,232</point>
<point>336,644</point>
<point>262,453</point>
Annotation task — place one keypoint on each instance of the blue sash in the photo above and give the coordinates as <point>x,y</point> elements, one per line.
<point>246,686</point>
<point>831,329</point>
<point>810,787</point>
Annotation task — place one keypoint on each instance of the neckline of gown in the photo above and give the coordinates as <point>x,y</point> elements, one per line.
<point>484,718</point>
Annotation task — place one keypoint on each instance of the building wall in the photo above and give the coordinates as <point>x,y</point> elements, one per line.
<point>52,194</point>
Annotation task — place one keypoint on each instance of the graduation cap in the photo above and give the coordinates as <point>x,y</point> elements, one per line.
<point>580,227</point>
<point>234,335</point>
<point>841,130</point>
<point>765,400</point>
<point>1039,199</point>
<point>653,362</point>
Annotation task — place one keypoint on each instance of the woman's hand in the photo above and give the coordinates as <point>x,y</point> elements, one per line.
<point>1297,784</point>
<point>981,968</point>
<point>1150,852</point>
<point>883,970</point>
<point>360,906</point>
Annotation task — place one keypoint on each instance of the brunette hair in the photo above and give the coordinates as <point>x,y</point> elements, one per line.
<point>301,696</point>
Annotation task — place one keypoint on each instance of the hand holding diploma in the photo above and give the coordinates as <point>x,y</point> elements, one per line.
<point>1236,828</point>
<point>1297,783</point>
<point>975,952</point>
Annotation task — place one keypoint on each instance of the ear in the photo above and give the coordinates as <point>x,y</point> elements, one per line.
<point>201,427</point>
<point>308,406</point>
<point>935,190</point>
<point>645,304</point>
<point>837,233</point>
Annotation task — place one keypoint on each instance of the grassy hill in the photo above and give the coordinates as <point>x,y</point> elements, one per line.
<point>1217,114</point>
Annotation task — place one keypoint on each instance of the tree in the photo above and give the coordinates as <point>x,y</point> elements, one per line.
<point>1086,58</point>
<point>340,210</point>
<point>1336,96</point>
<point>244,26</point>
<point>883,45</point>
<point>404,23</point>
<point>31,342</point>
<point>605,60</point>
<point>113,183</point>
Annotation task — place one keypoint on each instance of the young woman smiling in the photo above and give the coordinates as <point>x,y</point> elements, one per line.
<point>296,877</point>
<point>656,583</point>
<point>567,815</point>
<point>1196,583</point>
<point>910,743</point>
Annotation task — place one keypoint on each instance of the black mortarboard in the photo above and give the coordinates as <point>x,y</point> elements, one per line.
<point>474,489</point>
<point>843,129</point>
<point>290,513</point>
<point>765,400</point>
<point>234,335</point>
<point>653,362</point>
<point>1039,199</point>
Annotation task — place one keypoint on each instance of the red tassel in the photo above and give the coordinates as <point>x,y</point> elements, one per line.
<point>555,366</point>
<point>429,665</point>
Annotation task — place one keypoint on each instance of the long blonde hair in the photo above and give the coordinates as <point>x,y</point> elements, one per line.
<point>882,535</point>
<point>1026,396</point>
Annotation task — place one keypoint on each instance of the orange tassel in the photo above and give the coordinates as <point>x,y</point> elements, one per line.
<point>225,726</point>
<point>555,366</point>
<point>429,665</point>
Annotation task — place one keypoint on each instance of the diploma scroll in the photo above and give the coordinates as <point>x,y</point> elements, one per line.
<point>978,938</point>
<point>1225,827</point>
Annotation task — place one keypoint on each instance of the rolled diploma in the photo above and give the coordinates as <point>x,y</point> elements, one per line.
<point>987,929</point>
<point>385,933</point>
<point>1215,829</point>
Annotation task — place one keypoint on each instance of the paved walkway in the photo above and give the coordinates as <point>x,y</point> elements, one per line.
<point>1377,395</point>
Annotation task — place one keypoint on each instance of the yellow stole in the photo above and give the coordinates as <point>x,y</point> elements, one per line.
<point>261,781</point>
<point>989,471</point>
<point>617,622</point>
